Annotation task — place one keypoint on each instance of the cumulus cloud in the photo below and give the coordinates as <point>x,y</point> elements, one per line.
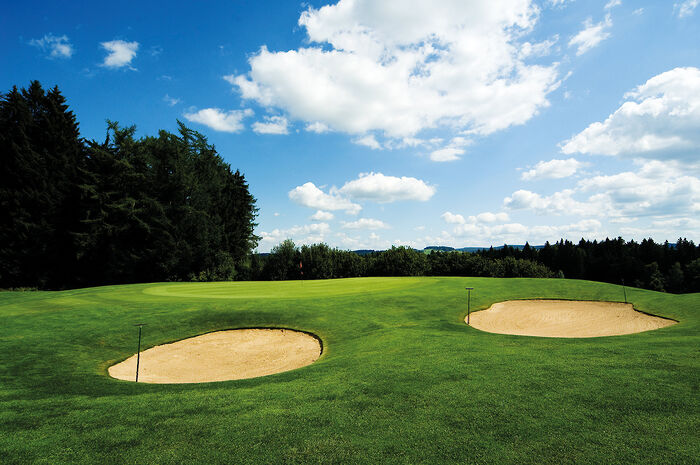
<point>517,233</point>
<point>488,217</point>
<point>656,190</point>
<point>368,141</point>
<point>591,35</point>
<point>272,125</point>
<point>446,154</point>
<point>318,128</point>
<point>552,169</point>
<point>481,218</point>
<point>307,234</point>
<point>311,196</point>
<point>384,189</point>
<point>119,53</point>
<point>452,218</point>
<point>397,68</point>
<point>56,46</point>
<point>449,152</point>
<point>219,120</point>
<point>660,120</point>
<point>559,203</point>
<point>365,223</point>
<point>321,215</point>
<point>374,187</point>
<point>685,8</point>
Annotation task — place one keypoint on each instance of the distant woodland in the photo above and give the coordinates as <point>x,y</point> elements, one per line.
<point>661,267</point>
<point>77,213</point>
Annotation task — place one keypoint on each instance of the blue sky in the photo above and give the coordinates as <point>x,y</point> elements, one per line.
<point>368,124</point>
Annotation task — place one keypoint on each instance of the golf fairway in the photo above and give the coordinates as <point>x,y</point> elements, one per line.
<point>402,378</point>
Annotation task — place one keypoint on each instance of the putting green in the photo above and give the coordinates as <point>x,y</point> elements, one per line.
<point>284,289</point>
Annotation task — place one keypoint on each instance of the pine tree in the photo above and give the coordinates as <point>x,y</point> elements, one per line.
<point>41,151</point>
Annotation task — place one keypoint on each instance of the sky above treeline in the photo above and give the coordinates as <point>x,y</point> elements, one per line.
<point>366,124</point>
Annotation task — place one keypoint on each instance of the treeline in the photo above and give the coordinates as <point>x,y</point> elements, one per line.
<point>319,261</point>
<point>79,213</point>
<point>646,264</point>
<point>661,267</point>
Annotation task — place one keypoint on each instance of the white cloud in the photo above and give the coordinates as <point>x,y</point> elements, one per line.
<point>612,4</point>
<point>318,128</point>
<point>657,190</point>
<point>553,169</point>
<point>558,3</point>
<point>58,47</point>
<point>365,223</point>
<point>591,35</point>
<point>307,234</point>
<point>172,101</point>
<point>311,196</point>
<point>517,233</point>
<point>321,215</point>
<point>488,217</point>
<point>446,154</point>
<point>219,120</point>
<point>452,218</point>
<point>660,119</point>
<point>400,67</point>
<point>384,189</point>
<point>481,218</point>
<point>538,49</point>
<point>119,53</point>
<point>686,8</point>
<point>559,203</point>
<point>272,125</point>
<point>368,141</point>
<point>451,151</point>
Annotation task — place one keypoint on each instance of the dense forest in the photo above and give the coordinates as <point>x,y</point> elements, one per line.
<point>79,213</point>
<point>319,261</point>
<point>660,267</point>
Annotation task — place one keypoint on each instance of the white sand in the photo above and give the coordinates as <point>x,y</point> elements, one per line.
<point>564,318</point>
<point>222,356</point>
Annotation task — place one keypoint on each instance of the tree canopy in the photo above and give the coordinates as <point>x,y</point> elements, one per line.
<point>79,213</point>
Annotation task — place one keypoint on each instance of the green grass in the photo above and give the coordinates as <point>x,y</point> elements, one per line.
<point>402,379</point>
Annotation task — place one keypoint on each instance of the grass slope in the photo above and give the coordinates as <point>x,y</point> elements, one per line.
<point>402,379</point>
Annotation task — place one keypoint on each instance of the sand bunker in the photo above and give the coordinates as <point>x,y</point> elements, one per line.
<point>222,356</point>
<point>564,318</point>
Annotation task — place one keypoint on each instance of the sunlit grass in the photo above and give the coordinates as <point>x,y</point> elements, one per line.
<point>402,378</point>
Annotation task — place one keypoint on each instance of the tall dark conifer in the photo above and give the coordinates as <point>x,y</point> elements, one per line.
<point>41,151</point>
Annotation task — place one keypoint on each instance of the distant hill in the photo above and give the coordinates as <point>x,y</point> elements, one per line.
<point>445,248</point>
<point>364,251</point>
<point>518,247</point>
<point>439,248</point>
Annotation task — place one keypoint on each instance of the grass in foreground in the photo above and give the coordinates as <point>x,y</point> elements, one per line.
<point>402,379</point>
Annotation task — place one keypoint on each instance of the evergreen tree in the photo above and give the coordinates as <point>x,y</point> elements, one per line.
<point>125,210</point>
<point>40,155</point>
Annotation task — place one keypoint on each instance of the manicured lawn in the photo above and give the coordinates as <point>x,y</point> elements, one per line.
<point>402,379</point>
